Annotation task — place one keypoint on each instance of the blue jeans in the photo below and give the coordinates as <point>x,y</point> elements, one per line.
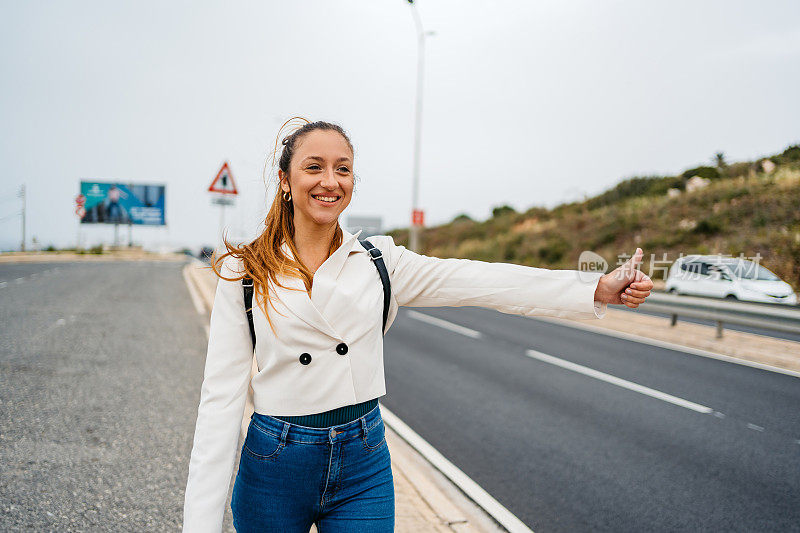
<point>291,476</point>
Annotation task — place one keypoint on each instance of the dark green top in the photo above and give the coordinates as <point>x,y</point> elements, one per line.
<point>334,417</point>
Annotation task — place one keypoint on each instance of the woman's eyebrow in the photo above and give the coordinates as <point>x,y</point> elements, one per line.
<point>318,158</point>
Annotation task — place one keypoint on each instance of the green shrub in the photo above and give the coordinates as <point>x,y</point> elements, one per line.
<point>631,187</point>
<point>790,155</point>
<point>711,173</point>
<point>502,210</point>
<point>707,227</point>
<point>553,251</point>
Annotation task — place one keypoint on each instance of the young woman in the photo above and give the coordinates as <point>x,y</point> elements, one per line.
<point>315,450</point>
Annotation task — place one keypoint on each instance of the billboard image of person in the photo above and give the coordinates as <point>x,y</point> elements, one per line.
<point>117,203</point>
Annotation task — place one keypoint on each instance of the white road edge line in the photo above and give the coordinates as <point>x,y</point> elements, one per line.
<point>196,300</point>
<point>454,474</point>
<point>666,344</point>
<point>619,381</point>
<point>444,324</point>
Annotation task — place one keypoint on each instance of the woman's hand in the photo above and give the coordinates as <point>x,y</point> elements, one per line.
<point>625,284</point>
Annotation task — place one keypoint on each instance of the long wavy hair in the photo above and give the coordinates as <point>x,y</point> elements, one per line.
<point>262,259</point>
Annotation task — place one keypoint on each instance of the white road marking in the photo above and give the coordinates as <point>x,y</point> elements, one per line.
<point>485,500</point>
<point>19,280</point>
<point>619,382</point>
<point>445,324</point>
<point>3,284</point>
<point>196,300</point>
<point>718,414</point>
<point>755,427</point>
<point>58,323</point>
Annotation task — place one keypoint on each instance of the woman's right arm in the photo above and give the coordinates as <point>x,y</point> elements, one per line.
<point>219,415</point>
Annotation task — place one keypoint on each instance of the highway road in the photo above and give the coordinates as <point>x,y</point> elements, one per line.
<point>98,412</point>
<point>682,443</point>
<point>100,372</point>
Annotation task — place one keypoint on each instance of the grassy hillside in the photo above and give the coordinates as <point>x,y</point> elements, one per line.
<point>743,210</point>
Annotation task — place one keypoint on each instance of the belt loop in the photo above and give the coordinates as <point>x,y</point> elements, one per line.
<point>285,431</point>
<point>363,426</point>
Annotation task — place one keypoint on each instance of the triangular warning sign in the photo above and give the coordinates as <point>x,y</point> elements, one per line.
<point>223,183</point>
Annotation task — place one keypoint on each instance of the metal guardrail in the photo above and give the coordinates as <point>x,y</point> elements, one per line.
<point>786,320</point>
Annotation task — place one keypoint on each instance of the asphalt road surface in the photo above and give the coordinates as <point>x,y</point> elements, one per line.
<point>100,372</point>
<point>566,449</point>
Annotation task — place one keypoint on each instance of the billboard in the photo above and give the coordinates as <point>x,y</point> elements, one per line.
<point>119,203</point>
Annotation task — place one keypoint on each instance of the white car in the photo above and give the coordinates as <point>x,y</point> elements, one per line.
<point>727,277</point>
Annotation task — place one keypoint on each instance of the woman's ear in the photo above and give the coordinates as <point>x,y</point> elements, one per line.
<point>284,182</point>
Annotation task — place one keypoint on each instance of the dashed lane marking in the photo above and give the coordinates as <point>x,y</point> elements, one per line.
<point>608,378</point>
<point>445,324</point>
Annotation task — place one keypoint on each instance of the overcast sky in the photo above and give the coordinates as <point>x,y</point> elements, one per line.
<point>526,103</point>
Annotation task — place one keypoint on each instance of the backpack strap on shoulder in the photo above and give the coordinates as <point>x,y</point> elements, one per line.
<point>377,258</point>
<point>247,285</point>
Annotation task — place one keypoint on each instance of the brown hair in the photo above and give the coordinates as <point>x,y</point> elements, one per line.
<point>262,259</point>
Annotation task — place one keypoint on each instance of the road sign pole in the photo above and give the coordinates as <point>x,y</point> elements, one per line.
<point>22,195</point>
<point>224,189</point>
<point>221,225</point>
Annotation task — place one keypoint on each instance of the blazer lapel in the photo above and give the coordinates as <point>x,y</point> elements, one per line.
<point>298,302</point>
<point>325,278</point>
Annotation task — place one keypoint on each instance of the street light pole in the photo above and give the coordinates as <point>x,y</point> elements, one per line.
<point>414,229</point>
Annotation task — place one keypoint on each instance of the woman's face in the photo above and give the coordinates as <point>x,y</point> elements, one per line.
<point>321,170</point>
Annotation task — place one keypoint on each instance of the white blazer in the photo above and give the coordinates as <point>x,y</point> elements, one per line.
<point>345,310</point>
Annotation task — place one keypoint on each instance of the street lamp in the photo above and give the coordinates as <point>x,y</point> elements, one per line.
<point>421,34</point>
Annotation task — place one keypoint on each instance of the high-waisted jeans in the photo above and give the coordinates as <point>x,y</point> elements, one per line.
<point>291,476</point>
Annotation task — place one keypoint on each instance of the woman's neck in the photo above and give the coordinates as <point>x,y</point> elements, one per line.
<point>313,243</point>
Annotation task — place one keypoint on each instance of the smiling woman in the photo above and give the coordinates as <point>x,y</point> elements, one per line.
<point>315,450</point>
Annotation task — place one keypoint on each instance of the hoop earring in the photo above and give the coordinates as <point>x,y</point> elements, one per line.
<point>285,198</point>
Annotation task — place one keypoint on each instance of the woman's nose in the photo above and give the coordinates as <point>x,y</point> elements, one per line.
<point>328,179</point>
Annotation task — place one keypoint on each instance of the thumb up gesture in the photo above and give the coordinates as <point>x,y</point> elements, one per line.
<point>625,284</point>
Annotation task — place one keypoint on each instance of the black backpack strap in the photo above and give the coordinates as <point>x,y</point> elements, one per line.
<point>377,258</point>
<point>247,284</point>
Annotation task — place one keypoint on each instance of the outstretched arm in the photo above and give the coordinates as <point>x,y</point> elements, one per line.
<point>424,281</point>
